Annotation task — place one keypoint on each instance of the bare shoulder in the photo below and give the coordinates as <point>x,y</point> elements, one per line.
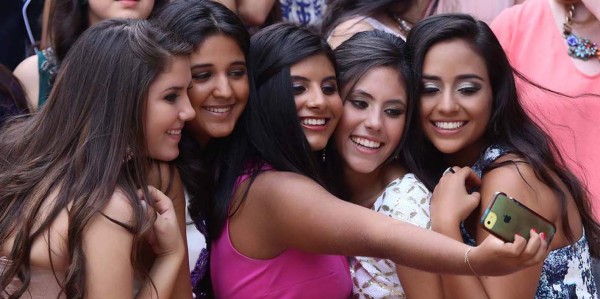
<point>347,29</point>
<point>284,183</point>
<point>517,179</point>
<point>118,209</point>
<point>27,73</point>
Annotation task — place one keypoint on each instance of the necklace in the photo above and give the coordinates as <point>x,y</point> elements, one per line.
<point>579,47</point>
<point>403,24</point>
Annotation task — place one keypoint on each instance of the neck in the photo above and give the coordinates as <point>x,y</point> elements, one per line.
<point>364,188</point>
<point>467,156</point>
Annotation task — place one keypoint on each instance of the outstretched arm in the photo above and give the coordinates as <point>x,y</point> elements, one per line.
<point>298,213</point>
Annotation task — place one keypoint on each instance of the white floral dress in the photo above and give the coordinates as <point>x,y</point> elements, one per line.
<point>405,199</point>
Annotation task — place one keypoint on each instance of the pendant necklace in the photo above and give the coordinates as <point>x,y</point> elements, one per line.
<point>579,47</point>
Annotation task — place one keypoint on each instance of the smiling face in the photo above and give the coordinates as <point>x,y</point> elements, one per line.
<point>456,102</point>
<point>373,121</point>
<point>99,10</point>
<point>317,100</point>
<point>167,109</point>
<point>219,91</point>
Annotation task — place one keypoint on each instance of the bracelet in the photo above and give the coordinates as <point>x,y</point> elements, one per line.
<point>468,262</point>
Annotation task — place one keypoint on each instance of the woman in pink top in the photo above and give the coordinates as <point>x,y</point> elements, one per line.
<point>533,36</point>
<point>278,232</point>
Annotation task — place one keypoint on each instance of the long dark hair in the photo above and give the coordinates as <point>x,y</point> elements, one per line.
<point>194,21</point>
<point>68,19</point>
<point>339,11</point>
<point>355,57</point>
<point>269,131</point>
<point>508,124</point>
<point>79,146</point>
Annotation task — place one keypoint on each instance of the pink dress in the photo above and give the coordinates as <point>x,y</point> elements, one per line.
<point>43,283</point>
<point>292,274</point>
<point>536,48</point>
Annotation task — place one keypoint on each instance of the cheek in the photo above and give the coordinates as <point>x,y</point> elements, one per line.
<point>337,107</point>
<point>395,131</point>
<point>241,90</point>
<point>198,96</point>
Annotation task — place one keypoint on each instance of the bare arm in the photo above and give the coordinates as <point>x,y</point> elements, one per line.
<point>522,284</point>
<point>167,178</point>
<point>254,12</point>
<point>27,73</point>
<point>298,213</point>
<point>109,273</point>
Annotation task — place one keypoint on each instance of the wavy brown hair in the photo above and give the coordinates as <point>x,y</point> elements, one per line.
<point>78,147</point>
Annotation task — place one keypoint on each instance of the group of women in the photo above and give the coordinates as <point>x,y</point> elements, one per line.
<point>293,157</point>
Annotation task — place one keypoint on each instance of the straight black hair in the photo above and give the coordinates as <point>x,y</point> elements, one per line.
<point>268,131</point>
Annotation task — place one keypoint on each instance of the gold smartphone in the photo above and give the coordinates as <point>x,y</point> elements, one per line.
<point>505,217</point>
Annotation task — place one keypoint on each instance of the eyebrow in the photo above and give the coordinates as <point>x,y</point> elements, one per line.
<point>460,77</point>
<point>330,78</point>
<point>173,88</point>
<point>368,95</point>
<point>203,65</point>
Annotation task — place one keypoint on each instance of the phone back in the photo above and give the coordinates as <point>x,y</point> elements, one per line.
<point>506,217</point>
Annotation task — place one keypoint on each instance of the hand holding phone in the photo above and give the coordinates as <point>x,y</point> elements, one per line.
<point>505,217</point>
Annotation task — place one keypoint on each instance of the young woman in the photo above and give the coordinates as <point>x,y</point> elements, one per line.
<point>72,220</point>
<point>68,20</point>
<point>344,18</point>
<point>365,157</point>
<point>218,93</point>
<point>275,222</point>
<point>469,114</point>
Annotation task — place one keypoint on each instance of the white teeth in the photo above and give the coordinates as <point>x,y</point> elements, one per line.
<point>174,132</point>
<point>366,143</point>
<point>218,110</point>
<point>449,125</point>
<point>314,121</point>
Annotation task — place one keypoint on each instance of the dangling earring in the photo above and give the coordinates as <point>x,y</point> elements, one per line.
<point>128,154</point>
<point>323,156</point>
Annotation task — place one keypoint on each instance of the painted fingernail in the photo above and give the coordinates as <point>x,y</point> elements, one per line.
<point>543,236</point>
<point>534,230</point>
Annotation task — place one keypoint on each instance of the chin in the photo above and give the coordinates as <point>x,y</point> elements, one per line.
<point>166,156</point>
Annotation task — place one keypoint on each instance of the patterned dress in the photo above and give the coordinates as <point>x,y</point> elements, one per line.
<point>405,199</point>
<point>303,12</point>
<point>566,272</point>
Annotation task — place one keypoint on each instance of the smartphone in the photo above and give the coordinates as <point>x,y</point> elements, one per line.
<point>505,217</point>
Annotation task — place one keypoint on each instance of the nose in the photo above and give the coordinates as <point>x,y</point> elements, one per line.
<point>373,120</point>
<point>447,103</point>
<point>222,88</point>
<point>186,111</point>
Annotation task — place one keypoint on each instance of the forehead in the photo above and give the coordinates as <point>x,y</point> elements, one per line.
<point>385,81</point>
<point>454,57</point>
<point>218,46</point>
<point>315,64</point>
<point>176,73</point>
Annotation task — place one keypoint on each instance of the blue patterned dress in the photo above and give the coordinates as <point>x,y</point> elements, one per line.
<point>567,271</point>
<point>304,12</point>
